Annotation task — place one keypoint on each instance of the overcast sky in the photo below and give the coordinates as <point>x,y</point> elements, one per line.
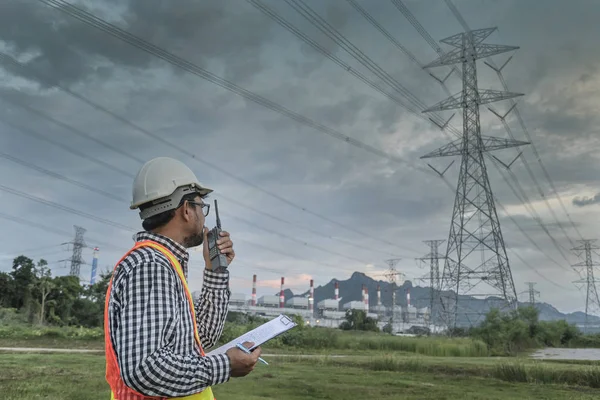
<point>283,168</point>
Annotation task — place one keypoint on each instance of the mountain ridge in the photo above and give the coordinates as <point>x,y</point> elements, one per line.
<point>351,290</point>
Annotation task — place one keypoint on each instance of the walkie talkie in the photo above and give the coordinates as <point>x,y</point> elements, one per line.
<point>218,261</point>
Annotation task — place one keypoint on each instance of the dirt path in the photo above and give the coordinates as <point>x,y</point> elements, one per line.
<point>49,350</point>
<point>59,350</point>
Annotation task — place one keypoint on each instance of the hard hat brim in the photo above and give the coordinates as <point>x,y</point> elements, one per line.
<point>201,190</point>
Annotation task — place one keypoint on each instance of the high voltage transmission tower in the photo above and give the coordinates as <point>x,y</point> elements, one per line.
<point>391,275</point>
<point>532,292</point>
<point>434,274</point>
<point>592,302</point>
<point>78,245</point>
<point>476,252</point>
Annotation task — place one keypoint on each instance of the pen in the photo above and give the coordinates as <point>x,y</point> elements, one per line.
<point>245,350</point>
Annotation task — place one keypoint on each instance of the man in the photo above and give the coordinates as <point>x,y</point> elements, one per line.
<point>154,336</point>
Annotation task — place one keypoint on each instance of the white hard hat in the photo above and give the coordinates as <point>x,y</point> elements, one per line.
<point>161,183</point>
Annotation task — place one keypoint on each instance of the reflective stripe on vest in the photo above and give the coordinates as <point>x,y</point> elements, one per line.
<point>120,391</point>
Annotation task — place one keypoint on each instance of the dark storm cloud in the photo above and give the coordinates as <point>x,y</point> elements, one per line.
<point>199,31</point>
<point>586,201</point>
<point>378,198</point>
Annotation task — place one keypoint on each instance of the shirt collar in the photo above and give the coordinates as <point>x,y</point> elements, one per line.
<point>179,251</point>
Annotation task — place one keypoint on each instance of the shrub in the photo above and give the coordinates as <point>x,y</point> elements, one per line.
<point>520,330</point>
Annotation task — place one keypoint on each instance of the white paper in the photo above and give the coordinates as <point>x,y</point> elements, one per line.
<point>259,335</point>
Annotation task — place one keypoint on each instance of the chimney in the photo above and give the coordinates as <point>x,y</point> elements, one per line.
<point>337,291</point>
<point>253,290</point>
<point>364,294</point>
<point>367,299</point>
<point>311,297</point>
<point>378,296</point>
<point>281,297</point>
<point>408,297</point>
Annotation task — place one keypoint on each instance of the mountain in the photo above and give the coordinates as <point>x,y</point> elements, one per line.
<point>351,289</point>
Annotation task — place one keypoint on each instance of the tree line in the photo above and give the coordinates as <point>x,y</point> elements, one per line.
<point>43,299</point>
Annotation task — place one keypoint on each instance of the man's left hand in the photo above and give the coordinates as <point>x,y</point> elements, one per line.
<point>225,247</point>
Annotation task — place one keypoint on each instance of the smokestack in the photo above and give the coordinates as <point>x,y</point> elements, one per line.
<point>364,294</point>
<point>408,297</point>
<point>254,290</point>
<point>94,266</point>
<point>378,295</point>
<point>366,299</point>
<point>337,291</point>
<point>311,297</point>
<point>281,297</point>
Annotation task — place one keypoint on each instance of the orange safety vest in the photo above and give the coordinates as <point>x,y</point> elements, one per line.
<point>120,391</point>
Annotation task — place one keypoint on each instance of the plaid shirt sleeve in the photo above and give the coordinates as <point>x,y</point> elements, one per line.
<point>146,338</point>
<point>211,307</point>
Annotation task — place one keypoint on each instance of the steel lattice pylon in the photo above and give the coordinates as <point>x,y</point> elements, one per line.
<point>592,301</point>
<point>434,275</point>
<point>391,274</point>
<point>78,245</point>
<point>475,251</point>
<point>532,293</point>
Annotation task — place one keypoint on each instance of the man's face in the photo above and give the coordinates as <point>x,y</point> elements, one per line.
<point>195,223</point>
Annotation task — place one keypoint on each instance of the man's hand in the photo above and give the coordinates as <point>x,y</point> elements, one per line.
<point>241,363</point>
<point>225,247</point>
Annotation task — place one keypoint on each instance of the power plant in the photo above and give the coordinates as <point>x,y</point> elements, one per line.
<point>330,312</point>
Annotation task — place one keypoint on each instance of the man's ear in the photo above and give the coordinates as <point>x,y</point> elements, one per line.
<point>185,211</point>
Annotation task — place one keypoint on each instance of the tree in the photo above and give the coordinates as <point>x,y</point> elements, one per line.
<point>23,275</point>
<point>67,291</point>
<point>6,289</point>
<point>388,327</point>
<point>44,286</point>
<point>357,320</point>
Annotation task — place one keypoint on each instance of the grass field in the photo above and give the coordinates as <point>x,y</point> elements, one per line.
<point>77,376</point>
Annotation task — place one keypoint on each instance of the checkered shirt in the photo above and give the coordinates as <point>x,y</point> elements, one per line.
<point>151,327</point>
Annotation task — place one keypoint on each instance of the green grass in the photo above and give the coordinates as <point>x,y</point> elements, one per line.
<point>332,340</point>
<point>69,376</point>
<point>303,340</point>
<point>511,370</point>
<point>50,332</point>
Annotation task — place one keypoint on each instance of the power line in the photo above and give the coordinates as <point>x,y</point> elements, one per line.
<point>141,44</point>
<point>514,253</point>
<point>30,249</point>
<point>120,226</point>
<point>46,228</point>
<point>293,239</point>
<point>79,184</point>
<point>346,45</point>
<point>71,129</point>
<point>339,39</point>
<point>424,34</point>
<point>525,130</point>
<point>86,156</point>
<point>536,217</point>
<point>9,60</point>
<point>65,208</point>
<point>58,176</point>
<point>404,10</point>
<point>291,28</point>
<point>312,231</point>
<point>315,19</point>
<point>47,2</point>
<point>396,43</point>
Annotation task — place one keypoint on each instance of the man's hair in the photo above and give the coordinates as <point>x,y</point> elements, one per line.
<point>160,220</point>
